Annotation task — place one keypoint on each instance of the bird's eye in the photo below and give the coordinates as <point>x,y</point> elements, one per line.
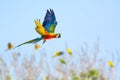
<point>58,36</point>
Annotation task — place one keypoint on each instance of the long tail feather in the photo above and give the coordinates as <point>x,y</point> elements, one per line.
<point>30,41</point>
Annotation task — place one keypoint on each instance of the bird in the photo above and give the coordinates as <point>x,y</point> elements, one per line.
<point>46,29</point>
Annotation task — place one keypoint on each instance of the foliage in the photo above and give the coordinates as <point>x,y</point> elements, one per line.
<point>85,65</point>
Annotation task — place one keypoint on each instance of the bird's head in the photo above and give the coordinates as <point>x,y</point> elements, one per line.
<point>58,35</point>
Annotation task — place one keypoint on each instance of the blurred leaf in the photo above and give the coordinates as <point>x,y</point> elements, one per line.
<point>58,53</point>
<point>62,61</point>
<point>110,63</point>
<point>93,73</point>
<point>10,46</point>
<point>69,51</point>
<point>1,60</point>
<point>8,77</point>
<point>75,78</point>
<point>37,46</point>
<point>83,74</point>
<point>47,78</point>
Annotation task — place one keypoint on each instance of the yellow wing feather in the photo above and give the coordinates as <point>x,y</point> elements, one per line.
<point>40,29</point>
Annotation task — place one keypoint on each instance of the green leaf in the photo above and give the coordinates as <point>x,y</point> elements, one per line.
<point>8,77</point>
<point>62,61</point>
<point>58,53</point>
<point>75,78</point>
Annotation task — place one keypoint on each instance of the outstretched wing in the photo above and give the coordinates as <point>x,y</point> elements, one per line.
<point>50,22</point>
<point>39,28</point>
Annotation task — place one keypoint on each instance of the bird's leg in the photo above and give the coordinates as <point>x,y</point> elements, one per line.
<point>44,41</point>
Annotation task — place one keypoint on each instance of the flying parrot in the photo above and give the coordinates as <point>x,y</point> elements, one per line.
<point>46,29</point>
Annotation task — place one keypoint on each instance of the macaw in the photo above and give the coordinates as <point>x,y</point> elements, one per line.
<point>46,30</point>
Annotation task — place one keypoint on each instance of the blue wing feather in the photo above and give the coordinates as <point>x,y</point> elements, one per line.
<point>50,21</point>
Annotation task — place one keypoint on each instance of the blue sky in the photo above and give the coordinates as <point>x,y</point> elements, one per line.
<point>79,21</point>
